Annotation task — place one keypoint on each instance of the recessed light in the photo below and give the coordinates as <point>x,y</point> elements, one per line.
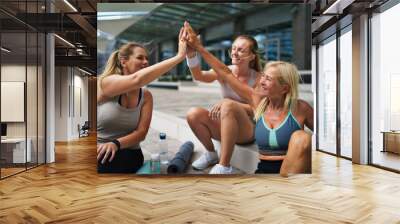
<point>5,49</point>
<point>64,40</point>
<point>70,5</point>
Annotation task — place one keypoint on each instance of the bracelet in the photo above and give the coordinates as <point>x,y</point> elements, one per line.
<point>117,143</point>
<point>193,62</point>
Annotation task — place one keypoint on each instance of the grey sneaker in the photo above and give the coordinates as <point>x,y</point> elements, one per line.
<point>205,160</point>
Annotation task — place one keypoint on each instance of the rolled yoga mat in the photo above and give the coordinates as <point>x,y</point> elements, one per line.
<point>181,159</point>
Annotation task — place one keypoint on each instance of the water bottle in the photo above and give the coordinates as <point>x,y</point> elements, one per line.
<point>155,163</point>
<point>163,149</point>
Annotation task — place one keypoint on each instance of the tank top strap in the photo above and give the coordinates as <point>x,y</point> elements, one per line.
<point>290,114</point>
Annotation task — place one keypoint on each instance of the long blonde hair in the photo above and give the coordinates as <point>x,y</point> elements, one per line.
<point>113,65</point>
<point>287,74</point>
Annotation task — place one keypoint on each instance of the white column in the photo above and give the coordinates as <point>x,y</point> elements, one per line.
<point>314,91</point>
<point>50,94</point>
<point>360,90</point>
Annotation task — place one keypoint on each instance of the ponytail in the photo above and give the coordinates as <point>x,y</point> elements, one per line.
<point>113,66</point>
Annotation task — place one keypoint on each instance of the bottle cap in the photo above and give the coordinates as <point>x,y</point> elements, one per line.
<point>163,135</point>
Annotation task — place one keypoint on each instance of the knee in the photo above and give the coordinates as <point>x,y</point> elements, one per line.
<point>228,108</point>
<point>194,114</point>
<point>301,140</point>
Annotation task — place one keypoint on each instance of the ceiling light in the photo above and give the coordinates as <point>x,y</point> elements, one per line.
<point>86,72</point>
<point>337,7</point>
<point>120,15</point>
<point>70,5</point>
<point>5,49</point>
<point>64,40</point>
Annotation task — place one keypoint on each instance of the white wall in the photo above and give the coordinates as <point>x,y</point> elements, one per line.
<point>61,103</point>
<point>34,124</point>
<point>17,73</point>
<point>69,85</point>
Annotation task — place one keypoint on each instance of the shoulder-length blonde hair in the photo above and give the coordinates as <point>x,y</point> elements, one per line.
<point>113,65</point>
<point>287,74</point>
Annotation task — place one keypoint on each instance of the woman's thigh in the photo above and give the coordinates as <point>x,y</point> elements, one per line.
<point>244,122</point>
<point>201,117</point>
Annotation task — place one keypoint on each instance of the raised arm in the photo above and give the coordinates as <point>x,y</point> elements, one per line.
<point>115,85</point>
<point>223,72</point>
<point>197,73</point>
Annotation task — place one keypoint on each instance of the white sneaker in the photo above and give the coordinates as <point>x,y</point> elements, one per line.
<point>205,160</point>
<point>220,169</point>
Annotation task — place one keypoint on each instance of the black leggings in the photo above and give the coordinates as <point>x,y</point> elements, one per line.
<point>269,166</point>
<point>125,161</point>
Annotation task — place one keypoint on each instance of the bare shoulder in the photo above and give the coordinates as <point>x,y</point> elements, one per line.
<point>105,81</point>
<point>112,77</point>
<point>147,95</point>
<point>303,106</point>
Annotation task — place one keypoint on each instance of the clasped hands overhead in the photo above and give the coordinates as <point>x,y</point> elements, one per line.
<point>189,37</point>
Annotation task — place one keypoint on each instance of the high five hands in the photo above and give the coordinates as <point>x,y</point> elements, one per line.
<point>188,41</point>
<point>191,38</point>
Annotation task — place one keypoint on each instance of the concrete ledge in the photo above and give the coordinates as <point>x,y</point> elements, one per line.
<point>165,85</point>
<point>244,157</point>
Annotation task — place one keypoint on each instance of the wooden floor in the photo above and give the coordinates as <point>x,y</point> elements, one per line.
<point>71,191</point>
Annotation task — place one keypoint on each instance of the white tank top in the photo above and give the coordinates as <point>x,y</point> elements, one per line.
<point>228,92</point>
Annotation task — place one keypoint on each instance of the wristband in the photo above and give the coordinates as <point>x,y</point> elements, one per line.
<point>117,143</point>
<point>193,62</point>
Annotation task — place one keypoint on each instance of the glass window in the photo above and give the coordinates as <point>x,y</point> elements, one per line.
<point>346,93</point>
<point>327,95</point>
<point>14,153</point>
<point>22,92</point>
<point>385,84</point>
<point>31,97</point>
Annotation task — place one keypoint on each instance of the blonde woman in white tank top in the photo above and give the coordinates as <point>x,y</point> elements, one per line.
<point>230,120</point>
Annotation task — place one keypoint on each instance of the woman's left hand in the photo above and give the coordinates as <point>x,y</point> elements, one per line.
<point>182,44</point>
<point>106,149</point>
<point>191,36</point>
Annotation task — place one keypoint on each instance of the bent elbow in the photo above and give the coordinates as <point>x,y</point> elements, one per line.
<point>142,135</point>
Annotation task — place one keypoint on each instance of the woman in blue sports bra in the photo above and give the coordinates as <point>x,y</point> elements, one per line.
<point>284,146</point>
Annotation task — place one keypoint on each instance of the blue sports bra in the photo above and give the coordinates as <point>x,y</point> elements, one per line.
<point>275,141</point>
